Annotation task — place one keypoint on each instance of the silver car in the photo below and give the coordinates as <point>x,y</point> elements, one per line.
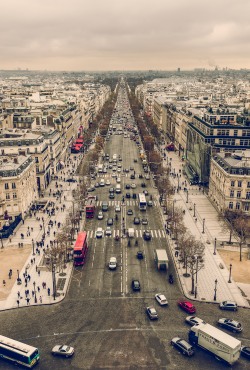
<point>63,350</point>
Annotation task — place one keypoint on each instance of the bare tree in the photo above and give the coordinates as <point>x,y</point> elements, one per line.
<point>195,260</point>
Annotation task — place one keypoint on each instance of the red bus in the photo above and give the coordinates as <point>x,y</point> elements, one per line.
<point>90,207</point>
<point>80,249</point>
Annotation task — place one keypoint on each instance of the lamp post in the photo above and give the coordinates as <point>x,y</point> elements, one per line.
<point>194,209</point>
<point>203,226</point>
<point>230,272</point>
<point>215,288</point>
<point>54,280</point>
<point>215,240</point>
<point>19,281</point>
<point>33,245</point>
<point>43,227</point>
<point>187,197</point>
<point>35,291</point>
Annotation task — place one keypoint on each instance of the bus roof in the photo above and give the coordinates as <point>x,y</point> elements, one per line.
<point>81,238</point>
<point>16,346</point>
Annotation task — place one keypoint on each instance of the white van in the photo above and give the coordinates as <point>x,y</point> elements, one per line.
<point>118,188</point>
<point>102,182</point>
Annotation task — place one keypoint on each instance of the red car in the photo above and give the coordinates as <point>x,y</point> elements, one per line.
<point>187,306</point>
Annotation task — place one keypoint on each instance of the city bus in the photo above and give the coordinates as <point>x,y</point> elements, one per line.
<point>80,249</point>
<point>142,202</point>
<point>18,353</point>
<point>90,207</point>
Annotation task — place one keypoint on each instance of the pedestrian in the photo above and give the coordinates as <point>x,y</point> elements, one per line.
<point>176,253</point>
<point>36,268</point>
<point>48,291</point>
<point>38,272</point>
<point>28,277</point>
<point>38,289</point>
<point>18,294</point>
<point>18,302</point>
<point>40,299</point>
<point>28,301</point>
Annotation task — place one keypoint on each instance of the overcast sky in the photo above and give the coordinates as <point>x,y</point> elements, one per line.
<point>124,34</point>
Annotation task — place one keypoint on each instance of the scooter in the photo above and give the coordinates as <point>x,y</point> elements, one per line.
<point>171,279</point>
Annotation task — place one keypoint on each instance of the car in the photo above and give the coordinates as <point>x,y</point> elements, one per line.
<point>131,168</point>
<point>62,350</point>
<point>99,233</point>
<point>97,185</point>
<point>133,186</point>
<point>112,263</point>
<point>128,195</point>
<point>187,306</point>
<point>245,352</point>
<point>129,212</point>
<point>110,221</point>
<point>112,196</point>
<point>144,221</point>
<point>229,306</point>
<point>147,235</point>
<point>108,231</point>
<point>161,299</point>
<point>143,185</point>
<point>147,177</point>
<point>118,180</point>
<point>183,346</point>
<point>112,190</point>
<point>132,177</point>
<point>107,182</point>
<point>140,255</point>
<point>135,160</point>
<point>114,174</point>
<point>71,180</point>
<point>126,170</point>
<point>194,320</point>
<point>145,192</point>
<point>136,221</point>
<point>90,189</point>
<point>110,166</point>
<point>100,215</point>
<point>127,186</point>
<point>117,208</point>
<point>104,170</point>
<point>150,203</point>
<point>151,312</point>
<point>114,168</point>
<point>135,285</point>
<point>229,324</point>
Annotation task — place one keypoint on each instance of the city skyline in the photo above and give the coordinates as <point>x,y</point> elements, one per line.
<point>118,35</point>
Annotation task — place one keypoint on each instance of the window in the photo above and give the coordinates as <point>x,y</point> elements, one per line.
<point>238,194</point>
<point>237,205</point>
<point>13,185</point>
<point>6,185</point>
<point>239,184</point>
<point>246,207</point>
<point>14,196</point>
<point>233,183</point>
<point>248,195</point>
<point>231,194</point>
<point>248,184</point>
<point>231,205</point>
<point>7,196</point>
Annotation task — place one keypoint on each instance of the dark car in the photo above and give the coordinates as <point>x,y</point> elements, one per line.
<point>132,177</point>
<point>111,195</point>
<point>136,221</point>
<point>143,185</point>
<point>140,255</point>
<point>127,186</point>
<point>136,285</point>
<point>112,190</point>
<point>129,212</point>
<point>135,160</point>
<point>134,196</point>
<point>71,180</point>
<point>128,195</point>
<point>147,235</point>
<point>183,346</point>
<point>151,312</point>
<point>144,221</point>
<point>245,352</point>
<point>110,221</point>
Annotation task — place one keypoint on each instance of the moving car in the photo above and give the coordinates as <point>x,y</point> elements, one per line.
<point>133,185</point>
<point>107,182</point>
<point>99,233</point>
<point>100,215</point>
<point>136,221</point>
<point>117,208</point>
<point>63,350</point>
<point>136,285</point>
<point>140,255</point>
<point>229,324</point>
<point>183,346</point>
<point>127,186</point>
<point>161,299</point>
<point>129,212</point>
<point>245,352</point>
<point>71,180</point>
<point>151,312</point>
<point>108,231</point>
<point>144,221</point>
<point>150,203</point>
<point>110,221</point>
<point>187,306</point>
<point>128,195</point>
<point>229,306</point>
<point>194,320</point>
<point>112,263</point>
<point>147,235</point>
<point>111,195</point>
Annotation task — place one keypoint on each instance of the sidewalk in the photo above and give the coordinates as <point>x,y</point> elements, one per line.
<point>36,286</point>
<point>200,215</point>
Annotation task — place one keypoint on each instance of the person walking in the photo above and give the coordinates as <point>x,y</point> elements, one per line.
<point>48,291</point>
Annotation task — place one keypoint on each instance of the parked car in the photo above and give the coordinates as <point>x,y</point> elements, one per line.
<point>110,221</point>
<point>151,312</point>
<point>136,221</point>
<point>111,195</point>
<point>187,306</point>
<point>229,306</point>
<point>62,350</point>
<point>194,320</point>
<point>161,299</point>
<point>139,255</point>
<point>132,177</point>
<point>229,324</point>
<point>183,346</point>
<point>71,180</point>
<point>143,185</point>
<point>136,285</point>
<point>245,352</point>
<point>144,221</point>
<point>129,212</point>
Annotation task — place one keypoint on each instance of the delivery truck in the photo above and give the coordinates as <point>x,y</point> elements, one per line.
<point>222,345</point>
<point>131,232</point>
<point>161,259</point>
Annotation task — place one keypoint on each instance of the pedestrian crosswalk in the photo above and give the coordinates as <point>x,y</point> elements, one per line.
<point>128,202</point>
<point>159,233</point>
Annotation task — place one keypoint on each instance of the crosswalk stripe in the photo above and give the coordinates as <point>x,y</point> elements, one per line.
<point>138,233</point>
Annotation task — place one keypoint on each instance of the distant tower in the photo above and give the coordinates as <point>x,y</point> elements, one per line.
<point>178,69</point>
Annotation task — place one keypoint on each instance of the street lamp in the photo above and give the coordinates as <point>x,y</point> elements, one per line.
<point>215,240</point>
<point>187,197</point>
<point>19,281</point>
<point>194,209</point>
<point>43,227</point>
<point>230,272</point>
<point>35,291</point>
<point>203,226</point>
<point>54,280</point>
<point>215,288</point>
<point>33,245</point>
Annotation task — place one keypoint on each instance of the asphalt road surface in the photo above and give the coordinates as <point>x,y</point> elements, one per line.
<point>101,317</point>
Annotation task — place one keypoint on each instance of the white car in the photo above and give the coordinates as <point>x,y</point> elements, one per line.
<point>117,208</point>
<point>114,175</point>
<point>194,320</point>
<point>100,215</point>
<point>63,350</point>
<point>161,299</point>
<point>99,233</point>
<point>118,180</point>
<point>112,263</point>
<point>108,231</point>
<point>133,186</point>
<point>108,182</point>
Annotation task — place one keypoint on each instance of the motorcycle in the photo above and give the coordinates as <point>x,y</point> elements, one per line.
<point>171,279</point>
<point>117,238</point>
